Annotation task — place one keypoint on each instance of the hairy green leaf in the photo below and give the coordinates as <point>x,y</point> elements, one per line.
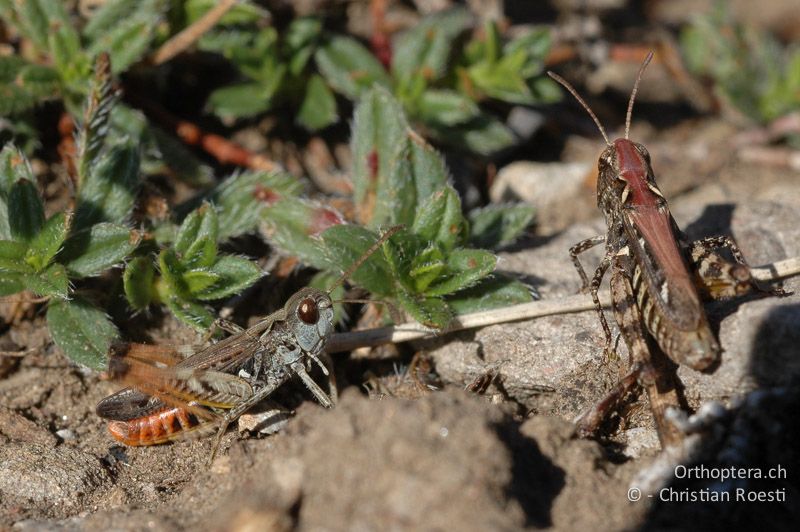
<point>445,107</point>
<point>11,282</point>
<point>244,99</point>
<point>47,243</point>
<point>138,282</point>
<point>380,138</point>
<point>345,244</point>
<point>191,313</point>
<point>349,67</point>
<point>92,251</point>
<point>440,219</point>
<point>429,311</point>
<point>196,242</point>
<point>25,211</point>
<point>109,191</point>
<point>293,225</point>
<point>465,267</point>
<point>233,274</point>
<point>497,225</point>
<point>12,257</point>
<point>494,291</point>
<point>318,109</point>
<point>425,49</point>
<point>52,281</point>
<point>82,330</point>
<point>172,274</point>
<point>24,85</point>
<point>241,199</point>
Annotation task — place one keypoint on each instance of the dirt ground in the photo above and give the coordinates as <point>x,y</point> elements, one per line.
<point>402,454</point>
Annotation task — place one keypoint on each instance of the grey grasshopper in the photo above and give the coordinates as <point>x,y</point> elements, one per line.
<point>169,397</point>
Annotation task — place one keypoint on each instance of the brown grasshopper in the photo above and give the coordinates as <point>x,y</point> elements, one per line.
<point>654,298</point>
<point>169,397</point>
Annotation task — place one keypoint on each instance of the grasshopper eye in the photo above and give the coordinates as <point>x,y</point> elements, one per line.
<point>308,311</point>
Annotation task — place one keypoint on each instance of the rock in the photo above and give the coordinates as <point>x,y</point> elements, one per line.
<point>54,480</point>
<point>435,463</point>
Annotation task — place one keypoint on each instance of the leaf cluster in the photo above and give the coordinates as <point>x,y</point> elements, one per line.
<point>438,77</point>
<point>428,268</point>
<point>751,71</point>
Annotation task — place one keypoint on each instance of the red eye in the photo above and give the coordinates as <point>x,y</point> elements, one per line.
<point>307,311</point>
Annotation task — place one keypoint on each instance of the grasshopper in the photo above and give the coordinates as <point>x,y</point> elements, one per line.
<point>169,398</point>
<point>654,298</point>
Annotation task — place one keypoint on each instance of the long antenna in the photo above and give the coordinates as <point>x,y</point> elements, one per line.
<point>572,91</point>
<point>634,91</point>
<point>357,264</point>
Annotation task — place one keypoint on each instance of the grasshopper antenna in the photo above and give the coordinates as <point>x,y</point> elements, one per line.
<point>572,91</point>
<point>634,91</point>
<point>357,264</point>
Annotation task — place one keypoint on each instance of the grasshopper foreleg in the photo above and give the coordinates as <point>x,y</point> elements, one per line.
<point>577,249</point>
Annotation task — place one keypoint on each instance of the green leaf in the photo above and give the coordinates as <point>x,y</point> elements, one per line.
<point>498,225</point>
<point>426,48</point>
<point>440,219</point>
<point>11,283</point>
<point>138,282</point>
<point>92,251</point>
<point>426,267</point>
<point>24,85</point>
<point>484,135</point>
<point>69,59</point>
<point>535,43</point>
<point>129,39</point>
<point>82,330</point>
<point>379,139</point>
<point>38,18</point>
<point>12,257</point>
<point>172,274</point>
<point>109,191</point>
<point>465,268</point>
<point>49,282</point>
<point>293,225</point>
<point>318,109</point>
<point>242,198</point>
<point>233,274</point>
<point>25,211</point>
<point>444,107</point>
<point>300,39</point>
<point>349,67</point>
<point>345,244</point>
<point>242,100</point>
<point>400,252</point>
<point>47,243</point>
<point>241,13</point>
<point>191,313</point>
<point>196,242</point>
<point>429,311</point>
<point>494,291</point>
<point>425,167</point>
<point>198,280</point>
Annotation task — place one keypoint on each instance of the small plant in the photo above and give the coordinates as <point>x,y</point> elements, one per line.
<point>438,80</point>
<point>427,268</point>
<point>191,270</point>
<point>45,255</point>
<point>750,69</point>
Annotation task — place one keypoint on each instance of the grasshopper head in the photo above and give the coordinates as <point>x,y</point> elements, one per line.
<point>310,315</point>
